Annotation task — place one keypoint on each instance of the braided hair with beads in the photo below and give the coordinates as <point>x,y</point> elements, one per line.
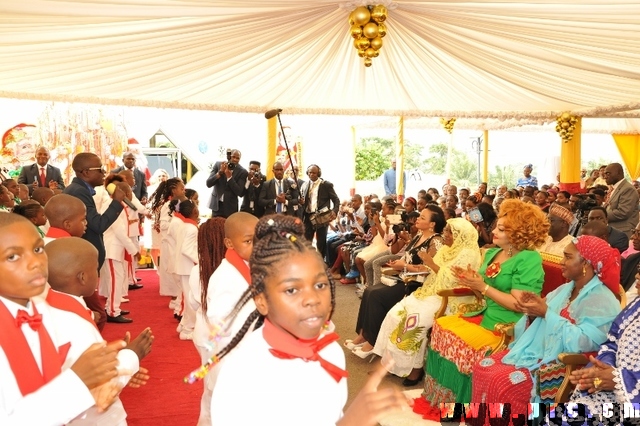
<point>277,238</point>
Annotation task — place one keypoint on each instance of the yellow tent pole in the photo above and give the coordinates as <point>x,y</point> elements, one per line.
<point>485,163</point>
<point>400,160</point>
<point>570,159</point>
<point>272,134</point>
<point>629,147</point>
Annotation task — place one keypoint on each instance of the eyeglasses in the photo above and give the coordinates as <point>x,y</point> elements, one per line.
<point>99,169</point>
<point>636,232</point>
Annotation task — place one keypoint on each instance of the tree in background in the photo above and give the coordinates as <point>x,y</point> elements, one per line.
<point>504,175</point>
<point>463,169</point>
<point>373,157</point>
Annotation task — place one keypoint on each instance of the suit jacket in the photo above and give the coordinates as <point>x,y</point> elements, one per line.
<point>326,196</point>
<point>140,187</point>
<point>231,189</point>
<point>270,191</point>
<point>618,239</point>
<point>622,208</point>
<point>30,174</point>
<point>96,223</point>
<point>251,195</point>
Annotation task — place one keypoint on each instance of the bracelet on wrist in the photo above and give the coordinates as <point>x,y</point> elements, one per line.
<point>486,288</point>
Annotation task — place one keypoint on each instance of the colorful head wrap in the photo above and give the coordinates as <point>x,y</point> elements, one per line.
<point>604,259</point>
<point>562,213</point>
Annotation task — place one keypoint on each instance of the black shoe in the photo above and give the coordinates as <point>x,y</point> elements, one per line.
<point>138,279</point>
<point>119,319</point>
<point>124,312</point>
<point>409,382</point>
<point>178,317</point>
<point>135,286</point>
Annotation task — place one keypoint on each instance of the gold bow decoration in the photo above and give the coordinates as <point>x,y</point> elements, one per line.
<point>566,125</point>
<point>368,29</point>
<point>448,124</point>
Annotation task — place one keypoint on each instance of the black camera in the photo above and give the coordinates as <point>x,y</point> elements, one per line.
<point>398,228</point>
<point>230,165</point>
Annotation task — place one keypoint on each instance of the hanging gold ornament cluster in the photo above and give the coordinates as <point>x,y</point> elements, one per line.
<point>448,124</point>
<point>566,125</point>
<point>368,28</point>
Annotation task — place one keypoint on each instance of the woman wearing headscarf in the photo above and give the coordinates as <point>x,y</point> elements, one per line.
<point>527,179</point>
<point>403,332</point>
<point>573,318</point>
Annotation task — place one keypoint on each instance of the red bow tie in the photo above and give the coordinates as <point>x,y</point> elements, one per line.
<point>34,321</point>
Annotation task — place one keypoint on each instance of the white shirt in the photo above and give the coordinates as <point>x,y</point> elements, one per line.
<point>293,392</point>
<point>312,194</point>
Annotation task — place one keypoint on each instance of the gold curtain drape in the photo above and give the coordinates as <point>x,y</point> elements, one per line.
<point>629,147</point>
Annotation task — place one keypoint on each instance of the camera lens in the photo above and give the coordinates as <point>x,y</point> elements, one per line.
<point>231,166</point>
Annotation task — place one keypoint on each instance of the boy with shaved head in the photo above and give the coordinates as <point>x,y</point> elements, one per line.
<point>227,283</point>
<point>42,195</point>
<point>67,217</point>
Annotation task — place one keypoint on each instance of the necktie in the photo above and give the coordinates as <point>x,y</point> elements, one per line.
<point>285,346</point>
<point>279,205</point>
<point>34,321</point>
<point>42,177</point>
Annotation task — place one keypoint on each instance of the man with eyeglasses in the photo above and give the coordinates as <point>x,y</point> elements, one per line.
<point>621,201</point>
<point>89,174</point>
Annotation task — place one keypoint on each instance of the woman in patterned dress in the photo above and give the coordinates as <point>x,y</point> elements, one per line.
<point>403,334</point>
<point>509,270</point>
<point>573,318</point>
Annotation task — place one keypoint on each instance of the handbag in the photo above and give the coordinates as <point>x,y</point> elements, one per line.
<point>321,218</point>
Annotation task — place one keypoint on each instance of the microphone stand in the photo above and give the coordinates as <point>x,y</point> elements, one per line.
<point>286,145</point>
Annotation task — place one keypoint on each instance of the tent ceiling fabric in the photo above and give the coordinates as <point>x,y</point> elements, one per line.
<point>477,59</point>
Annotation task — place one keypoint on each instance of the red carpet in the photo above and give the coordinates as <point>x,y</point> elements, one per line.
<point>165,399</point>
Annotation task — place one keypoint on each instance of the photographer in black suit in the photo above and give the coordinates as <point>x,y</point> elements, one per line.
<point>227,179</point>
<point>318,195</point>
<point>255,182</point>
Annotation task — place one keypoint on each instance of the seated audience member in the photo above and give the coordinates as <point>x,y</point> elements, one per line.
<point>599,195</point>
<point>449,214</point>
<point>421,204</point>
<point>488,199</point>
<point>463,194</point>
<point>551,196</point>
<point>486,226</point>
<point>470,202</point>
<point>434,193</point>
<point>508,271</point>
<point>631,264</point>
<point>42,195</point>
<point>622,200</point>
<point>410,205</point>
<point>573,318</point>
<point>482,189</point>
<point>542,201</point>
<point>613,375</point>
<point>617,239</point>
<point>403,334</point>
<point>24,192</point>
<point>442,202</point>
<point>13,188</point>
<point>380,244</point>
<point>7,202</point>
<point>597,229</point>
<point>452,203</point>
<point>33,211</point>
<point>562,199</point>
<point>560,219</point>
<point>378,299</point>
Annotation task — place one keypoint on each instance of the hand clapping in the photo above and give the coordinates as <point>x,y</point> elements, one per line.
<point>531,304</point>
<point>469,278</point>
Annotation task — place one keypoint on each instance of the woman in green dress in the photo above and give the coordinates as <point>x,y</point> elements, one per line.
<point>459,341</point>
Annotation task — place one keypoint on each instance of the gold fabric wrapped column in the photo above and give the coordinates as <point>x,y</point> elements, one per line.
<point>570,154</point>
<point>272,134</point>
<point>485,162</point>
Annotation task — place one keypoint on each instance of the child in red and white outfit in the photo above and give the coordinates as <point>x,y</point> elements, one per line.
<point>113,275</point>
<point>301,362</point>
<point>185,216</point>
<point>42,383</point>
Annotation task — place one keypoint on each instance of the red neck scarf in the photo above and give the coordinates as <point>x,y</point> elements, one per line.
<point>18,352</point>
<point>64,302</point>
<point>185,219</point>
<point>234,259</point>
<point>57,233</point>
<point>285,346</point>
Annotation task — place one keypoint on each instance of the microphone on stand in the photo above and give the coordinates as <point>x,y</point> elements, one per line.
<point>272,113</point>
<point>111,188</point>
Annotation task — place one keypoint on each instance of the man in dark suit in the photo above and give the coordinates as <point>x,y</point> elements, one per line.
<point>41,174</point>
<point>89,174</point>
<point>255,181</point>
<point>140,187</point>
<point>318,194</point>
<point>276,196</point>
<point>622,200</point>
<point>616,239</point>
<point>227,179</point>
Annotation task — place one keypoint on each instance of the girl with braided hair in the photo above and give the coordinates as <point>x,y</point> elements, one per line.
<point>166,191</point>
<point>291,353</point>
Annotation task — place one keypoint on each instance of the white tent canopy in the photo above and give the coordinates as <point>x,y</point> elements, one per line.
<point>476,59</point>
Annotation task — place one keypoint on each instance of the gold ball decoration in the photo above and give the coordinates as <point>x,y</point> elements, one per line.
<point>379,13</point>
<point>376,43</point>
<point>361,15</point>
<point>382,30</point>
<point>566,125</point>
<point>370,30</point>
<point>356,31</point>
<point>367,30</point>
<point>448,124</point>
